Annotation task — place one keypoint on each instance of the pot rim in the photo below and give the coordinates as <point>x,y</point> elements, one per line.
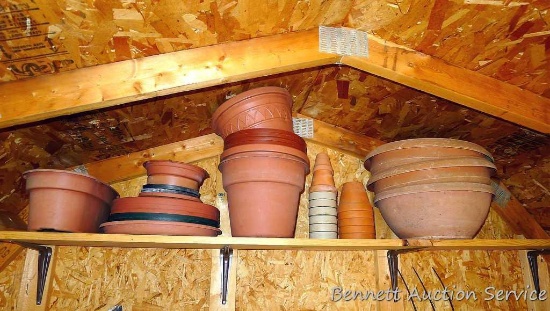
<point>47,170</point>
<point>168,203</point>
<point>159,223</point>
<point>177,164</point>
<point>429,142</point>
<point>434,187</point>
<point>432,164</point>
<point>264,148</point>
<point>244,96</point>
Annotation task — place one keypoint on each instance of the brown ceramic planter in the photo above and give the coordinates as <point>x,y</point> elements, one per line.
<point>359,221</point>
<point>358,229</point>
<point>175,173</point>
<point>67,201</point>
<point>436,211</point>
<point>423,149</point>
<point>146,204</point>
<point>158,228</point>
<point>353,192</point>
<point>355,214</point>
<point>357,206</point>
<point>464,169</point>
<point>267,151</point>
<point>264,107</point>
<point>263,192</point>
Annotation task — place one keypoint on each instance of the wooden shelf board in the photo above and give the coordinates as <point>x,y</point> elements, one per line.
<point>158,241</point>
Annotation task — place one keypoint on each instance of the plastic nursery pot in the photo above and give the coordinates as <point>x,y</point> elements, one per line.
<point>436,211</point>
<point>463,169</point>
<point>67,201</point>
<point>158,228</point>
<point>165,205</point>
<point>263,192</point>
<point>175,173</point>
<point>264,107</point>
<point>422,149</point>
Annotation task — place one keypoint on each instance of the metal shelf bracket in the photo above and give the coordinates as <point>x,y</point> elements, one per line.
<point>532,257</point>
<point>44,259</point>
<point>393,264</point>
<point>226,256</point>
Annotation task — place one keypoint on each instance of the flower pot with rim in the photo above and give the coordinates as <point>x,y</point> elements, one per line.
<point>175,173</point>
<point>67,201</point>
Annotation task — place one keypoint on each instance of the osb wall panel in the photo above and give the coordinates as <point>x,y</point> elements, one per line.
<point>508,40</point>
<point>10,279</point>
<point>139,279</point>
<point>48,36</point>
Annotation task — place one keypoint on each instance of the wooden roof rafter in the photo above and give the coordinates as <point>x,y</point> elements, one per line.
<point>128,81</point>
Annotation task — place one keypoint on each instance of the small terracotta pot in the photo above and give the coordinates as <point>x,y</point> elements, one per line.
<point>423,149</point>
<point>357,229</point>
<point>357,235</point>
<point>158,228</point>
<point>264,107</point>
<point>263,192</point>
<point>322,211</point>
<point>165,205</point>
<point>357,206</point>
<point>353,192</point>
<point>355,214</point>
<point>175,173</point>
<point>463,169</point>
<point>436,211</point>
<point>265,136</point>
<point>360,221</point>
<point>67,201</point>
<point>322,162</point>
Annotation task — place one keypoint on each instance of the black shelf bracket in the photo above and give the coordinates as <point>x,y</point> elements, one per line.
<point>532,257</point>
<point>44,259</point>
<point>226,256</point>
<point>393,263</point>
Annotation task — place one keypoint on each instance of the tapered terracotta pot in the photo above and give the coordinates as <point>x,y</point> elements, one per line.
<point>463,169</point>
<point>436,211</point>
<point>353,192</point>
<point>175,173</point>
<point>323,179</point>
<point>356,235</point>
<point>358,229</point>
<point>423,149</point>
<point>264,107</point>
<point>67,201</point>
<point>263,192</point>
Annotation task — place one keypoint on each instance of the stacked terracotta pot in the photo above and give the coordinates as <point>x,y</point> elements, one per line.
<point>263,164</point>
<point>169,204</point>
<point>355,213</point>
<point>432,188</point>
<point>322,200</point>
<point>67,201</point>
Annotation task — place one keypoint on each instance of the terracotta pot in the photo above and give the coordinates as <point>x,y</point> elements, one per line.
<point>359,221</point>
<point>358,229</point>
<point>165,205</point>
<point>357,235</point>
<point>464,169</point>
<point>357,206</point>
<point>164,217</point>
<point>355,214</point>
<point>175,173</point>
<point>158,228</point>
<point>322,162</point>
<point>322,211</point>
<point>265,136</point>
<point>162,188</point>
<point>352,192</point>
<point>67,201</point>
<point>323,235</point>
<point>423,149</point>
<point>264,107</point>
<point>436,211</point>
<point>263,192</point>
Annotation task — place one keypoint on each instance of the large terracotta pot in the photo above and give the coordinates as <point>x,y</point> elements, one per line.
<point>263,192</point>
<point>159,228</point>
<point>165,205</point>
<point>67,201</point>
<point>463,169</point>
<point>264,107</point>
<point>436,211</point>
<point>267,150</point>
<point>422,149</point>
<point>175,173</point>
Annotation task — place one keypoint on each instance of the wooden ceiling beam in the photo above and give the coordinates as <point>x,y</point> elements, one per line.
<point>459,85</point>
<point>92,88</point>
